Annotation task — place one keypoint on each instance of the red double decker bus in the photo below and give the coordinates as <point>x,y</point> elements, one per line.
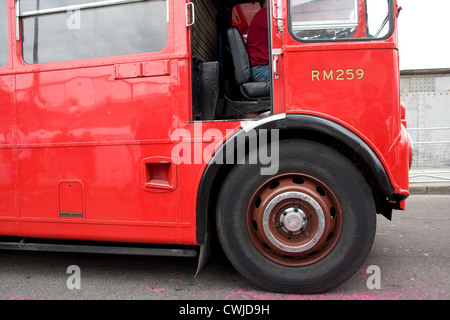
<point>132,126</point>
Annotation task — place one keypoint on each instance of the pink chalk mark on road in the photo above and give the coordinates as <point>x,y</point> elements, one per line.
<point>406,293</point>
<point>175,281</point>
<point>24,297</point>
<point>157,290</point>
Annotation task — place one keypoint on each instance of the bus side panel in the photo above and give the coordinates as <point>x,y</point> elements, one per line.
<point>199,142</point>
<point>8,172</point>
<point>95,193</point>
<point>90,144</point>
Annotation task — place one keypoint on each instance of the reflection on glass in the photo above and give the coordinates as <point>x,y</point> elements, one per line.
<point>3,34</point>
<point>339,19</point>
<point>311,13</point>
<point>377,18</point>
<point>100,32</point>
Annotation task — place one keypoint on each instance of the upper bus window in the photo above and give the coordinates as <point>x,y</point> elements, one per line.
<point>332,20</point>
<point>3,34</point>
<point>61,30</point>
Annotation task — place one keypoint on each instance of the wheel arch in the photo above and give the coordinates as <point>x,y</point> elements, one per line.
<point>308,127</point>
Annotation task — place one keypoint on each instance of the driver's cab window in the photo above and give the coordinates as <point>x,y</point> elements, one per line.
<point>378,19</point>
<point>337,20</point>
<point>242,16</point>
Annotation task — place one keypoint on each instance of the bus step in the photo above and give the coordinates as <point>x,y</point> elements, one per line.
<point>95,247</point>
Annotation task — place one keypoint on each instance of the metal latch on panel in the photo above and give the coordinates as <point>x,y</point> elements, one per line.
<point>190,14</point>
<point>159,174</point>
<point>276,53</point>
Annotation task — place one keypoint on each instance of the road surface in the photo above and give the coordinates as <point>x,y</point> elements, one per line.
<point>409,261</point>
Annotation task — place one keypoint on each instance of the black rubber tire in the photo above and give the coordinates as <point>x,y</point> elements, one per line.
<point>358,227</point>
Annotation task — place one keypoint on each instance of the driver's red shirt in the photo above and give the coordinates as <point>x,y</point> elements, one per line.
<point>257,40</point>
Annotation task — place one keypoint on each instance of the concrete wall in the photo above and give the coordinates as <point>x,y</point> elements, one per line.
<point>426,95</point>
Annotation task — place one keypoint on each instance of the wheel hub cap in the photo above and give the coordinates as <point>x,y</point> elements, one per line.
<point>293,221</point>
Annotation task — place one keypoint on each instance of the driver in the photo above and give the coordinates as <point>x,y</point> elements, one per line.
<point>258,45</point>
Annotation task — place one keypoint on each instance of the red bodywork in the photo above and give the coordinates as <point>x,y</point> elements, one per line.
<point>85,146</point>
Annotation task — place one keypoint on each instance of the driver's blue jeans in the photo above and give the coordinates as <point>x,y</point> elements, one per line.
<point>260,73</point>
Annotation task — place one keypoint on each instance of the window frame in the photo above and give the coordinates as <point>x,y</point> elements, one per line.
<point>88,61</point>
<point>293,31</point>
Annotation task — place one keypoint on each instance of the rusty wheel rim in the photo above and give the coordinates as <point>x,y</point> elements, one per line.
<point>294,219</point>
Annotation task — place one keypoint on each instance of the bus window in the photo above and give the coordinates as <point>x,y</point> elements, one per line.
<point>378,22</point>
<point>339,20</point>
<point>52,31</point>
<point>3,34</point>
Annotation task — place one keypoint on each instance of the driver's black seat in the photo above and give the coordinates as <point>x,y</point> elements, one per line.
<point>239,55</point>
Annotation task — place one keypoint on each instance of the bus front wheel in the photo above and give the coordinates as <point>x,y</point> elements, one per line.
<point>306,229</point>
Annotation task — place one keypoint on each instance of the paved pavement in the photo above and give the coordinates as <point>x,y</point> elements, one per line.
<point>435,181</point>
